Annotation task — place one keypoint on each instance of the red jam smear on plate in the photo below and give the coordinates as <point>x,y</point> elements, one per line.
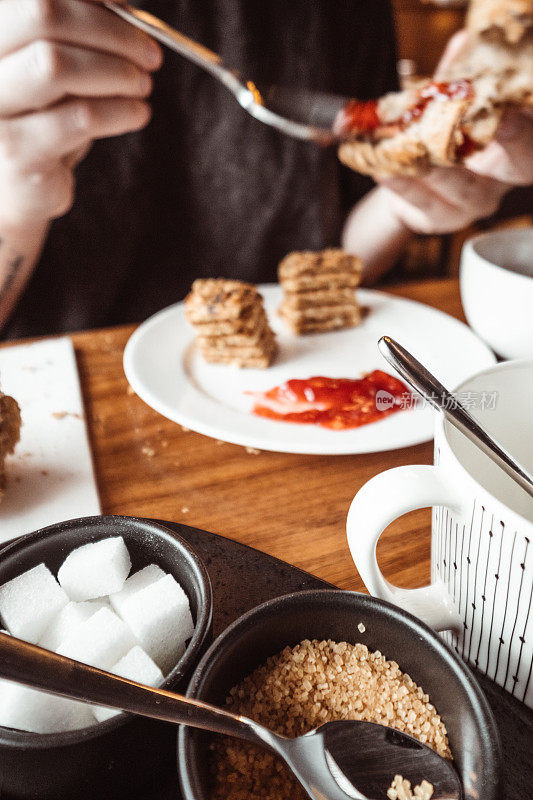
<point>335,403</point>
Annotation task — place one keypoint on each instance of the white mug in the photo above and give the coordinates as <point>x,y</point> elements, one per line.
<point>481,590</point>
<point>496,279</point>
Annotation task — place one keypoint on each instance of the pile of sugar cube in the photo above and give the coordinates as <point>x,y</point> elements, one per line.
<point>136,627</point>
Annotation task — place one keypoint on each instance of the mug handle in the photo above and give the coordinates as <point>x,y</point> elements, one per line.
<point>378,503</point>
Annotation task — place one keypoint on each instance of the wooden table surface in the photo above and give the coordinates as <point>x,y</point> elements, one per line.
<point>291,506</point>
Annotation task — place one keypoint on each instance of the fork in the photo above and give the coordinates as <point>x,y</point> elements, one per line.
<point>299,113</point>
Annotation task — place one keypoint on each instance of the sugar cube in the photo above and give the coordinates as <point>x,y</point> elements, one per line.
<point>98,603</point>
<point>100,641</point>
<point>95,569</point>
<point>29,602</point>
<point>30,710</point>
<point>139,580</point>
<point>160,617</point>
<point>68,619</point>
<point>136,666</point>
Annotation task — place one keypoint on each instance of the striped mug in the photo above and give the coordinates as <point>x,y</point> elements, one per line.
<point>481,590</point>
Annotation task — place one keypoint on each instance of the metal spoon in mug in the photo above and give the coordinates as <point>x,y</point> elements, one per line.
<point>338,761</point>
<point>299,113</point>
<point>440,398</point>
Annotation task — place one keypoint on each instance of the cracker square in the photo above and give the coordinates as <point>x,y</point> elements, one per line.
<point>247,323</point>
<point>219,299</point>
<point>221,341</point>
<point>258,357</point>
<point>337,322</point>
<point>333,261</point>
<point>318,297</point>
<point>244,347</point>
<point>323,281</point>
<point>315,313</point>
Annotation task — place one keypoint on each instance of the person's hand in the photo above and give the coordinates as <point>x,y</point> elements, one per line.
<point>445,200</point>
<point>509,157</point>
<point>451,198</point>
<point>70,72</point>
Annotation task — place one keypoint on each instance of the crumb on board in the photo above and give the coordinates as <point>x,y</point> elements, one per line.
<point>148,451</point>
<point>130,389</point>
<point>185,509</point>
<point>63,414</point>
<point>184,429</point>
<point>361,628</point>
<point>252,451</point>
<point>219,442</point>
<point>44,472</point>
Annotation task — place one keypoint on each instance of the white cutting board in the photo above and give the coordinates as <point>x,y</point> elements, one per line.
<point>50,475</point>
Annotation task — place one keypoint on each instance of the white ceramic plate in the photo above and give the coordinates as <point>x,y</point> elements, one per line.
<point>166,370</point>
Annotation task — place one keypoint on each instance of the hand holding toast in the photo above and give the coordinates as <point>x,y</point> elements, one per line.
<point>485,73</point>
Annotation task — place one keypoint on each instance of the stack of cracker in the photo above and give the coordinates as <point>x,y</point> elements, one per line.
<point>230,323</point>
<point>319,290</point>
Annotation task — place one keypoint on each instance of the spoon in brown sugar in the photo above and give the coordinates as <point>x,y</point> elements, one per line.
<point>338,761</point>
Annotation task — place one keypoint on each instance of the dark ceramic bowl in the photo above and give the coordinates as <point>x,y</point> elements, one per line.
<point>267,629</point>
<point>120,756</point>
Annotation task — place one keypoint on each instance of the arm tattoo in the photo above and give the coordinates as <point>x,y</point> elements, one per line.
<point>13,269</point>
<point>12,278</point>
<point>13,266</point>
<point>19,255</point>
